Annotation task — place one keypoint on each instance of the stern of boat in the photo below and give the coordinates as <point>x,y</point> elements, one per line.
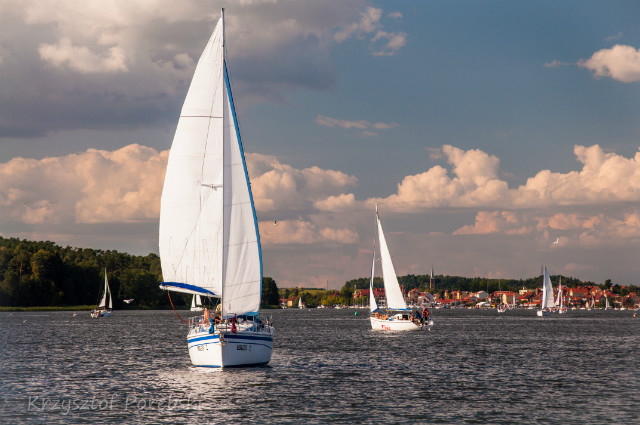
<point>249,345</point>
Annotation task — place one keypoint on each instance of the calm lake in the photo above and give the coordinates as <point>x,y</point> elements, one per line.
<point>328,366</point>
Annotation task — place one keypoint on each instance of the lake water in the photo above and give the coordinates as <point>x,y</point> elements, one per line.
<point>328,366</point>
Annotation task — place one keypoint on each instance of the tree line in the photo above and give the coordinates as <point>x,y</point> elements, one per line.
<point>45,274</point>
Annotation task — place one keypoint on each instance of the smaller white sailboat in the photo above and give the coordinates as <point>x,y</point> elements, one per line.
<point>196,303</point>
<point>102,310</point>
<point>397,316</point>
<point>300,305</point>
<point>560,300</point>
<point>547,296</point>
<point>607,306</point>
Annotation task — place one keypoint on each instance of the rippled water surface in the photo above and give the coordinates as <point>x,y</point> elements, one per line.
<point>328,366</point>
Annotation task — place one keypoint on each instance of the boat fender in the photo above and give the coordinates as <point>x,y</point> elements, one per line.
<point>212,328</point>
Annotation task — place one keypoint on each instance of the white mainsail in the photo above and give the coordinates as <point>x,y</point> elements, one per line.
<point>208,240</point>
<point>547,291</point>
<point>107,290</point>
<point>559,297</point>
<point>395,300</point>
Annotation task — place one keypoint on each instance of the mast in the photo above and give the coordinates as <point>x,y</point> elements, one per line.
<point>373,305</point>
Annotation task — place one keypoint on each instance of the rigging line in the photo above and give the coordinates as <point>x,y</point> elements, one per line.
<point>174,309</point>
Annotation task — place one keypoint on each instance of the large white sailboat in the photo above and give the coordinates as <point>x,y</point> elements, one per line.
<point>209,240</point>
<point>397,316</point>
<point>547,296</point>
<point>102,310</point>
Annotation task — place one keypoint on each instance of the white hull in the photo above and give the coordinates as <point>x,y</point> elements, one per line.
<point>227,349</point>
<point>394,325</point>
<point>101,313</point>
<point>543,313</point>
<point>197,308</point>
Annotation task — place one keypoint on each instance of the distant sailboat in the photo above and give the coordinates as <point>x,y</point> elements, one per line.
<point>102,310</point>
<point>300,305</point>
<point>196,303</point>
<point>560,301</point>
<point>397,316</point>
<point>607,306</point>
<point>209,240</point>
<point>547,296</point>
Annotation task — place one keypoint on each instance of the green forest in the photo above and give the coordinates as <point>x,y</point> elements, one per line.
<point>45,274</point>
<point>41,274</point>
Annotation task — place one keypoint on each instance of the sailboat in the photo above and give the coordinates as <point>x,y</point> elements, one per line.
<point>102,310</point>
<point>300,305</point>
<point>560,300</point>
<point>606,306</point>
<point>196,303</point>
<point>208,238</point>
<point>547,296</point>
<point>397,316</point>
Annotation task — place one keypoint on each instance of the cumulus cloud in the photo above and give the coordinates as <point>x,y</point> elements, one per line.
<point>279,187</point>
<point>621,63</point>
<point>474,181</point>
<point>125,185</point>
<point>300,232</point>
<point>342,202</point>
<point>605,177</point>
<point>90,187</point>
<point>488,222</point>
<point>83,60</point>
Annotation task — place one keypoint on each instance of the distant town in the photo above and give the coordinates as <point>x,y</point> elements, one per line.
<point>576,298</point>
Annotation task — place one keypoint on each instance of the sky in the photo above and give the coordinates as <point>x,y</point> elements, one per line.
<point>496,136</point>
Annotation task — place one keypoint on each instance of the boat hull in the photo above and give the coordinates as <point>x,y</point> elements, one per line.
<point>228,349</point>
<point>101,313</point>
<point>543,313</point>
<point>394,325</point>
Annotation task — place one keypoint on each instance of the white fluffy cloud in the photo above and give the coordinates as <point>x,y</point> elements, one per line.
<point>83,60</point>
<point>280,188</point>
<point>475,182</point>
<point>620,62</point>
<point>125,185</point>
<point>299,232</point>
<point>91,187</point>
